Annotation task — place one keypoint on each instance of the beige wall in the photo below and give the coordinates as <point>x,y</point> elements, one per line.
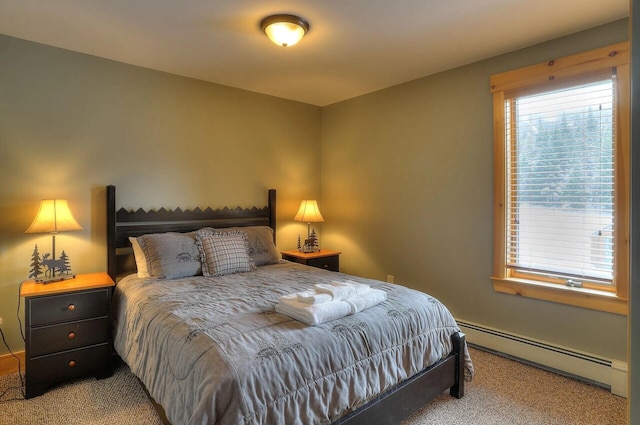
<point>71,124</point>
<point>407,190</point>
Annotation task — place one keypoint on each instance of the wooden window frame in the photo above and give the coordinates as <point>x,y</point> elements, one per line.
<point>558,73</point>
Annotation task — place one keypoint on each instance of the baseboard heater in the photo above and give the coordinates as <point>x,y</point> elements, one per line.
<point>609,373</point>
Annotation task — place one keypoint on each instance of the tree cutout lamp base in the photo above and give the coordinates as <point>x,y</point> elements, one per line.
<point>311,243</point>
<point>55,270</point>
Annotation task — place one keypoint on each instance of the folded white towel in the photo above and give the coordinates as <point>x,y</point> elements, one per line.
<point>360,288</point>
<point>366,300</point>
<point>341,290</point>
<point>315,314</point>
<point>313,297</point>
<point>312,314</point>
<point>337,292</point>
<point>334,291</point>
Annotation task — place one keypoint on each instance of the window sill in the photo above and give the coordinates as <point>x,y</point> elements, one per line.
<point>580,297</point>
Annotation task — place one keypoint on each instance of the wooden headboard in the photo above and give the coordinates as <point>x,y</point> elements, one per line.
<point>122,224</point>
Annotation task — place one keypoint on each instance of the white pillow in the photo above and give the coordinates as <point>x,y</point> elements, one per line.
<point>141,260</point>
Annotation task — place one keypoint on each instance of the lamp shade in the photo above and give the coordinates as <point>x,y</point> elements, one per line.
<point>53,216</point>
<point>284,30</point>
<point>309,212</point>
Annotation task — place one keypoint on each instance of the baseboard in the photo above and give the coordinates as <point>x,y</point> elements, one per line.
<point>9,364</point>
<point>610,373</point>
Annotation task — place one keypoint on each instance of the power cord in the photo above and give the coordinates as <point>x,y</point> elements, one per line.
<point>18,312</point>
<point>22,383</point>
<point>21,387</point>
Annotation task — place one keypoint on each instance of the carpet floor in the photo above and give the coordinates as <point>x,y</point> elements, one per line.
<point>503,392</point>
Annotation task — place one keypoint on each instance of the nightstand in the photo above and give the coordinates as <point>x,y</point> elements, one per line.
<point>67,330</point>
<point>324,259</point>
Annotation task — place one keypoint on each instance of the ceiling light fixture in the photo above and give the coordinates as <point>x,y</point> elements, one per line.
<point>284,30</point>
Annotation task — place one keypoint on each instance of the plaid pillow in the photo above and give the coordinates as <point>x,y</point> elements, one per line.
<point>261,247</point>
<point>224,253</point>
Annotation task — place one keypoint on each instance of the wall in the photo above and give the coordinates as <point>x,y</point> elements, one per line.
<point>72,123</point>
<point>407,190</point>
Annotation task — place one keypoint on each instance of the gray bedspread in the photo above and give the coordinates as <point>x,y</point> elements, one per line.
<point>214,351</point>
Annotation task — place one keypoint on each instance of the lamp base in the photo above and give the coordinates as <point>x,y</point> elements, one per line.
<point>309,249</point>
<point>55,279</point>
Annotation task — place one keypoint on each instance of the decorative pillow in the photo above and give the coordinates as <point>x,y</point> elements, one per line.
<point>224,252</point>
<point>170,255</point>
<point>261,247</point>
<point>141,260</point>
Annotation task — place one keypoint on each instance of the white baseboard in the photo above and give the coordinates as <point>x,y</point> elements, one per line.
<point>610,373</point>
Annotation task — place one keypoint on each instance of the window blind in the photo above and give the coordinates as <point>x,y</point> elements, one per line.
<point>560,182</point>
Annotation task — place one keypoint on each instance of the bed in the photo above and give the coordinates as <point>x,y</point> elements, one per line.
<point>213,350</point>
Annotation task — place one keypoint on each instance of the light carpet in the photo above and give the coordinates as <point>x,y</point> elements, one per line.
<point>507,392</point>
<point>503,392</point>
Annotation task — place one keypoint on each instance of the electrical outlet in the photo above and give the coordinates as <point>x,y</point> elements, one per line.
<point>390,278</point>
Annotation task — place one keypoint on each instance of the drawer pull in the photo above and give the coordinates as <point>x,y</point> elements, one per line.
<point>72,363</point>
<point>72,335</point>
<point>71,307</point>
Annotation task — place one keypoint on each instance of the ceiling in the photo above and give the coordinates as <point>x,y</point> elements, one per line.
<point>353,46</point>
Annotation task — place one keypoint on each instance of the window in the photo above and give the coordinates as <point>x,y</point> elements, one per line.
<point>561,144</point>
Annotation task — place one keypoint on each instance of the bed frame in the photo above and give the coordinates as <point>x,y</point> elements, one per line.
<point>390,407</point>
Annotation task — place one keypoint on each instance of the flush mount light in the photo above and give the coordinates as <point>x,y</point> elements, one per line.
<point>284,30</point>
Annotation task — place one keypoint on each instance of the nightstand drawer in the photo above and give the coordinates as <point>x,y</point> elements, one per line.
<point>327,263</point>
<point>72,306</point>
<point>69,364</point>
<point>67,336</point>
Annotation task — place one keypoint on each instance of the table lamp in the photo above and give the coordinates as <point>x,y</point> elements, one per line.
<point>309,213</point>
<point>53,216</point>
